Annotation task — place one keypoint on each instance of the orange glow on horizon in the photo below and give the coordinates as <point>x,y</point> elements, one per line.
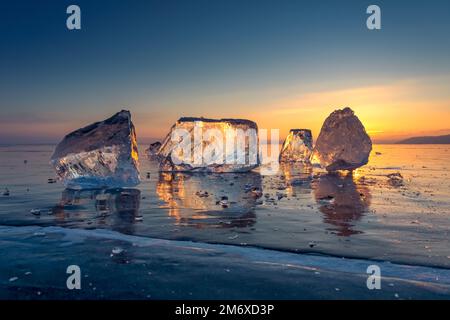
<point>389,112</point>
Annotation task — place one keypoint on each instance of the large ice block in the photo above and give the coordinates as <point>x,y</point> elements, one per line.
<point>343,143</point>
<point>297,147</point>
<point>210,145</point>
<point>103,154</point>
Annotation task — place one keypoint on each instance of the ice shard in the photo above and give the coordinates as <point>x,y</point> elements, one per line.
<point>103,154</point>
<point>210,145</point>
<point>297,147</point>
<point>153,149</point>
<point>343,143</point>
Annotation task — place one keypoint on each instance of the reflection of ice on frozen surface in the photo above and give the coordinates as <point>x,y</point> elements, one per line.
<point>210,200</point>
<point>116,207</point>
<point>107,201</point>
<point>297,178</point>
<point>341,201</point>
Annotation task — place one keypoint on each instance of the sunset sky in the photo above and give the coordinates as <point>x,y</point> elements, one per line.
<point>283,64</point>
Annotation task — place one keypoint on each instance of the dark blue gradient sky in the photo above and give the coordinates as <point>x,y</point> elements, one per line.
<point>166,59</point>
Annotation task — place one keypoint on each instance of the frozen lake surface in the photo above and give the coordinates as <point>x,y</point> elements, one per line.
<point>311,234</point>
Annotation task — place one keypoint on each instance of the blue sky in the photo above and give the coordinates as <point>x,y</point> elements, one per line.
<point>166,59</point>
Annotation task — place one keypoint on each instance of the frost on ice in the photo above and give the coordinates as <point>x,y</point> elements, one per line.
<point>210,145</point>
<point>297,147</point>
<point>101,154</point>
<point>343,143</point>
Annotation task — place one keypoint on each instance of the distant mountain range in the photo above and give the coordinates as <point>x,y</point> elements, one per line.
<point>427,140</point>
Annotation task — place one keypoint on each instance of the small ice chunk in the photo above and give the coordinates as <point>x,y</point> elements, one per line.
<point>257,192</point>
<point>343,143</point>
<point>117,250</point>
<point>153,149</point>
<point>297,147</point>
<point>395,179</point>
<point>35,212</point>
<point>224,202</point>
<point>202,194</point>
<point>101,154</point>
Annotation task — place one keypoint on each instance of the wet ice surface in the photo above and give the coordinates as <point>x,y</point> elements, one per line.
<point>144,268</point>
<point>299,210</point>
